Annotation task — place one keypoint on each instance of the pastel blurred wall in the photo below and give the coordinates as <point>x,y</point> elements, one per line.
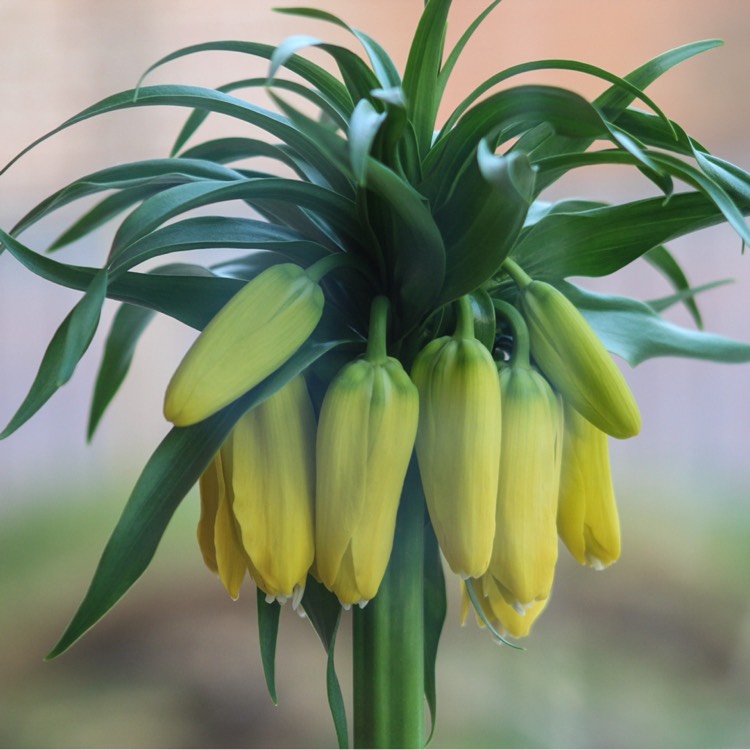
<point>57,57</point>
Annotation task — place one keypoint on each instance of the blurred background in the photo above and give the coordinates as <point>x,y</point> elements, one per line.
<point>654,652</point>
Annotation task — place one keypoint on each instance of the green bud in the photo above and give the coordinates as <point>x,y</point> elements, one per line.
<point>575,361</point>
<point>260,328</point>
<point>366,431</point>
<point>587,514</point>
<point>458,447</point>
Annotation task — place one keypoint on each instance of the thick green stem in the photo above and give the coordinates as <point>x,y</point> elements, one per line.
<point>465,322</point>
<point>389,640</point>
<point>377,344</point>
<point>521,345</point>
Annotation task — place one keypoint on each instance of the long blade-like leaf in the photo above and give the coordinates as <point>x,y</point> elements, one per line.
<point>268,630</point>
<point>68,345</point>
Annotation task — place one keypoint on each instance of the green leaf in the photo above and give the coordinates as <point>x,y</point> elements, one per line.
<point>147,176</point>
<point>196,97</point>
<point>435,608</point>
<point>633,331</point>
<point>324,612</point>
<point>363,128</point>
<point>338,212</point>
<point>502,116</point>
<point>600,241</point>
<point>191,299</point>
<point>661,259</point>
<point>68,345</point>
<point>384,68</point>
<point>198,116</point>
<point>358,78</point>
<point>684,295</point>
<point>422,71</point>
<point>203,232</point>
<point>268,631</point>
<point>127,326</point>
<point>320,78</point>
<point>170,473</point>
<point>482,219</point>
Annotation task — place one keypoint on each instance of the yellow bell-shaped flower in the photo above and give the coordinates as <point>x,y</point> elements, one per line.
<point>258,494</point>
<point>573,358</point>
<point>458,445</point>
<point>524,553</point>
<point>260,328</point>
<point>273,488</point>
<point>366,430</point>
<point>218,536</point>
<point>504,619</point>
<point>587,518</point>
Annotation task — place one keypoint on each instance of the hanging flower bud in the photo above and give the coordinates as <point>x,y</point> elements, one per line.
<point>587,514</point>
<point>503,618</point>
<point>273,486</point>
<point>573,358</point>
<point>458,444</point>
<point>366,431</point>
<point>524,553</point>
<point>248,339</point>
<point>257,498</point>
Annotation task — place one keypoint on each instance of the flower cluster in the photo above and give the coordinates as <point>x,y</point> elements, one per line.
<point>511,446</point>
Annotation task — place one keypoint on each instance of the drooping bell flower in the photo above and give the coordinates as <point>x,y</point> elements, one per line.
<point>524,552</point>
<point>366,431</point>
<point>261,486</point>
<point>458,444</point>
<point>260,328</point>
<point>573,358</point>
<point>587,519</point>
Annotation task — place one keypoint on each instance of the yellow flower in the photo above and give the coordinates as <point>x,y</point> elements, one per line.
<point>575,361</point>
<point>501,615</point>
<point>368,422</point>
<point>524,553</point>
<point>587,514</point>
<point>458,447</point>
<point>260,328</point>
<point>262,485</point>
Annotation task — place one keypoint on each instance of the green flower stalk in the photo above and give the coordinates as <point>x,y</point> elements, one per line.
<point>573,358</point>
<point>259,494</point>
<point>248,339</point>
<point>587,519</point>
<point>366,432</point>
<point>458,443</point>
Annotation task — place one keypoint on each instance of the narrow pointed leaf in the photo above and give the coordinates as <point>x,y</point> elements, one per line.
<point>127,326</point>
<point>435,608</point>
<point>483,218</point>
<point>204,232</point>
<point>633,331</point>
<point>68,345</point>
<point>324,612</point>
<point>661,259</point>
<point>268,631</point>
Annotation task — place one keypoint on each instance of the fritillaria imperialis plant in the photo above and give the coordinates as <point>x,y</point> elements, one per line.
<point>392,368</point>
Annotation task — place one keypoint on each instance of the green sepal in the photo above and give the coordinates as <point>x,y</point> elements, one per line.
<point>268,631</point>
<point>68,345</point>
<point>324,612</point>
